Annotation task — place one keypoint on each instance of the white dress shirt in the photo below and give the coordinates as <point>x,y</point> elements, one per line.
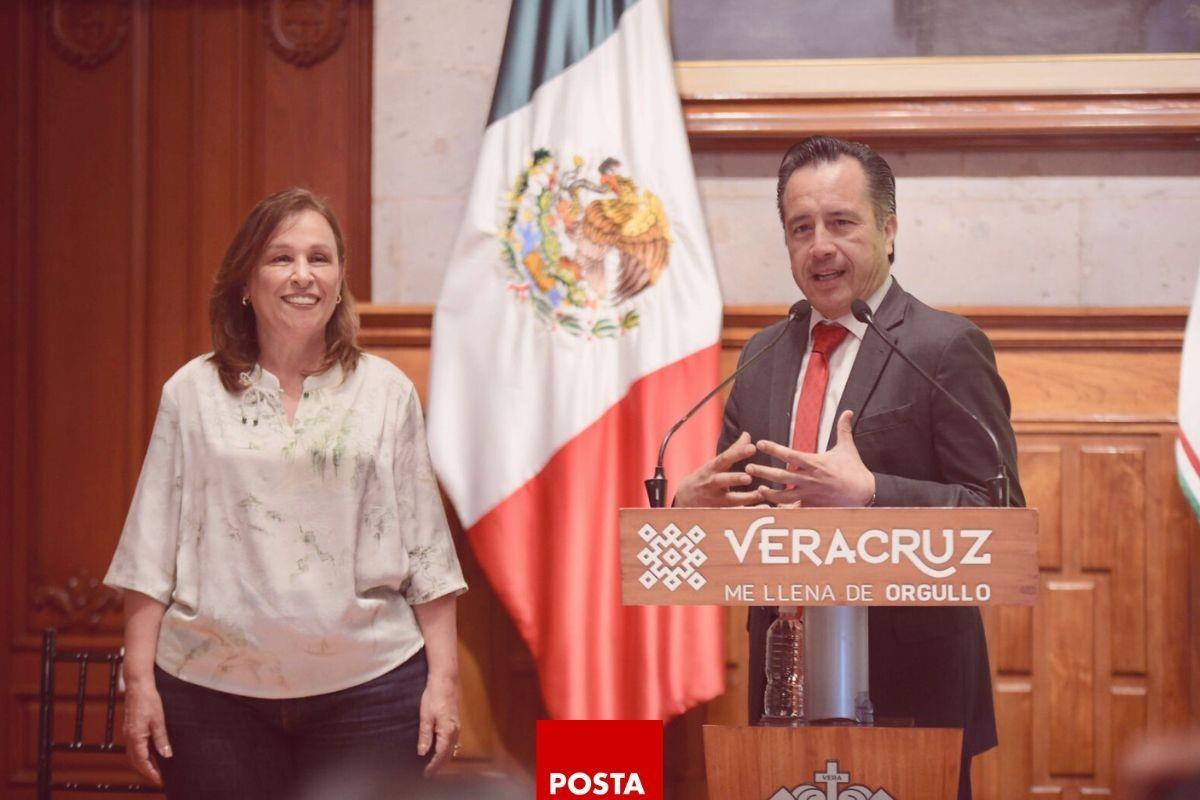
<point>841,362</point>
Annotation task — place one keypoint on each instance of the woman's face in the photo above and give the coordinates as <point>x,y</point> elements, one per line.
<point>295,285</point>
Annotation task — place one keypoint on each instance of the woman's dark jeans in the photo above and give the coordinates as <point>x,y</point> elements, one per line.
<point>228,746</point>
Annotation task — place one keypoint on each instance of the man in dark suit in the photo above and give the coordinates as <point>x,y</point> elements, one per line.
<point>865,429</point>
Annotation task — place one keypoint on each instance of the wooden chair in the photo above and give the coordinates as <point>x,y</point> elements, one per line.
<point>51,656</point>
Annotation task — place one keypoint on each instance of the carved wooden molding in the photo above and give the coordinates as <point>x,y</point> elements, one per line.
<point>1010,328</point>
<point>1116,120</point>
<point>81,604</point>
<point>1029,328</point>
<point>305,32</point>
<point>86,33</point>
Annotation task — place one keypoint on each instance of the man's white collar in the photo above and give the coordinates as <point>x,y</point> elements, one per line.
<point>847,320</point>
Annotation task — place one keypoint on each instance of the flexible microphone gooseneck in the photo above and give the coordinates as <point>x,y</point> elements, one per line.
<point>998,488</point>
<point>656,487</point>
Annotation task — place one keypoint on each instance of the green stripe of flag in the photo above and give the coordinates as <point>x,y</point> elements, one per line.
<point>544,38</point>
<point>1187,492</point>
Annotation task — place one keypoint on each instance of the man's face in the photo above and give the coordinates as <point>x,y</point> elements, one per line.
<point>838,252</point>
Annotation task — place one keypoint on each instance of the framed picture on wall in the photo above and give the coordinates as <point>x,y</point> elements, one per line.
<point>1069,70</point>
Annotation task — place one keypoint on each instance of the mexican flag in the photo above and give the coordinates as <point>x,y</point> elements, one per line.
<point>579,318</point>
<point>1187,448</point>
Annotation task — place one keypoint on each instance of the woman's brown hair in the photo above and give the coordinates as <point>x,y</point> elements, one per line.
<point>234,333</point>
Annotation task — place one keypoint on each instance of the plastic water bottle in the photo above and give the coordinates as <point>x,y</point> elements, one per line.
<point>783,699</point>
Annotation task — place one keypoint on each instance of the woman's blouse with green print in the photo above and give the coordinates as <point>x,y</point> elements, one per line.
<point>289,556</point>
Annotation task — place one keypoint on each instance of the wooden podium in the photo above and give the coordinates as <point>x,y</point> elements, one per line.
<point>819,762</point>
<point>830,556</point>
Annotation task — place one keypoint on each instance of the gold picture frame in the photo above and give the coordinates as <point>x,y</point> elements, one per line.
<point>1066,101</point>
<point>962,76</point>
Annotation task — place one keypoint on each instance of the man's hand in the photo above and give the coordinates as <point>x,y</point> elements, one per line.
<point>145,727</point>
<point>836,477</point>
<point>713,485</point>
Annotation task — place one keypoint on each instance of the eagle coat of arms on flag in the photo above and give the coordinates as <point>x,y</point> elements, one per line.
<point>577,249</point>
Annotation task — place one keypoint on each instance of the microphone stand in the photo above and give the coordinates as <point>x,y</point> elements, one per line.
<point>998,485</point>
<point>656,486</point>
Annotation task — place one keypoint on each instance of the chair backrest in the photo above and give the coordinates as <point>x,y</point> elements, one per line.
<point>51,656</point>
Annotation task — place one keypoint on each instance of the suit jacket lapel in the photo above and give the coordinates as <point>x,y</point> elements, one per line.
<point>873,355</point>
<point>785,370</point>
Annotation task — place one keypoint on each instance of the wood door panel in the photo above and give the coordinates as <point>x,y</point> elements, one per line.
<point>1129,716</point>
<point>1113,540</point>
<point>1069,680</point>
<point>1040,468</point>
<point>1006,772</point>
<point>1012,638</point>
<point>82,390</point>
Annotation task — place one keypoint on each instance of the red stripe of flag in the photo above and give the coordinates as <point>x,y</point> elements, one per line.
<point>1191,453</point>
<point>551,552</point>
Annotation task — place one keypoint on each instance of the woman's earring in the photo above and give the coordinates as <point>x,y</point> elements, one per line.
<point>245,300</point>
<point>339,298</point>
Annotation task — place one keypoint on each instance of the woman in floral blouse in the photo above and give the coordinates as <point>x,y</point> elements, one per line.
<point>290,578</point>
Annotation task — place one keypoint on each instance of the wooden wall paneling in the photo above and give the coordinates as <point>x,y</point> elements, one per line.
<point>139,204</point>
<point>306,134</point>
<point>683,748</point>
<point>173,226</point>
<point>1065,695</point>
<point>1057,385</point>
<point>1107,120</point>
<point>85,191</point>
<point>731,708</point>
<point>1040,467</point>
<point>477,667</point>
<point>220,184</point>
<point>13,69</point>
<point>1129,703</point>
<point>1005,773</point>
<point>1172,531</point>
<point>497,724</point>
<point>1183,521</point>
<point>1113,537</point>
<point>1011,628</point>
<point>1174,545</point>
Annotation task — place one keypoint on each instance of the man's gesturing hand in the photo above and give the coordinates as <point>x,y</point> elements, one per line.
<point>836,477</point>
<point>713,485</point>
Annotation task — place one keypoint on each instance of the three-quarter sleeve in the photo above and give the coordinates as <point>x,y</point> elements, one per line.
<point>434,570</point>
<point>145,556</point>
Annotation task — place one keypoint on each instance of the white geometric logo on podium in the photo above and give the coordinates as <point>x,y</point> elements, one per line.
<point>671,557</point>
<point>831,779</point>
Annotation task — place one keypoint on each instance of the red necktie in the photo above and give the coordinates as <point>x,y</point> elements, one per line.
<point>826,338</point>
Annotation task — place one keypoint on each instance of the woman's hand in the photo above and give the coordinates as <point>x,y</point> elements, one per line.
<point>439,701</point>
<point>144,723</point>
<point>144,720</point>
<point>439,721</point>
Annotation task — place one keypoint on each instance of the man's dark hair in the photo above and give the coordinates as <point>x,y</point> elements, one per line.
<point>881,183</point>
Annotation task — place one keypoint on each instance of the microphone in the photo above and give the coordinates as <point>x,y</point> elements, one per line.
<point>998,489</point>
<point>656,487</point>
